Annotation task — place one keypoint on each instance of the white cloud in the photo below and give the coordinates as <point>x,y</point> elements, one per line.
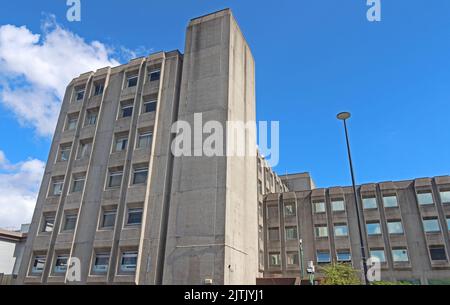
<point>19,185</point>
<point>36,68</point>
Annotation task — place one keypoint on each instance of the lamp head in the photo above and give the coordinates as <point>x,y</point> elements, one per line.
<point>343,116</point>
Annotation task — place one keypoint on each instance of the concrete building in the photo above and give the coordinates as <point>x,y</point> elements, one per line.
<point>12,244</point>
<point>406,225</point>
<point>114,196</point>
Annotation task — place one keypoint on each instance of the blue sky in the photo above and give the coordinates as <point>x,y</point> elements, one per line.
<point>314,58</point>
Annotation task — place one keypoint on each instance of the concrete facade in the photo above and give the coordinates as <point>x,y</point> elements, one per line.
<point>388,227</point>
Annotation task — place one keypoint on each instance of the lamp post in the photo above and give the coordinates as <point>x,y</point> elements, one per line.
<point>343,116</point>
<point>302,267</point>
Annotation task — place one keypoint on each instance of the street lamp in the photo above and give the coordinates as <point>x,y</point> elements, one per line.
<point>302,268</point>
<point>343,116</point>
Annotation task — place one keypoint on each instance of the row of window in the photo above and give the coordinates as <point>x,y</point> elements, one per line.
<point>107,219</point>
<point>100,263</point>
<point>114,180</point>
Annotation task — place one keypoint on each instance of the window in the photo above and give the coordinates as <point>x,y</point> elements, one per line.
<point>132,81</point>
<point>373,228</point>
<point>319,207</point>
<point>321,231</point>
<point>390,201</point>
<point>57,187</point>
<point>126,110</point>
<point>140,175</point>
<point>98,90</point>
<point>61,263</point>
<point>400,255</point>
<point>101,262</point>
<point>274,259</point>
<point>84,149</point>
<point>78,184</point>
<point>378,253</point>
<point>437,253</point>
<point>291,233</point>
<point>72,121</point>
<point>144,140</point>
<point>292,258</point>
<point>134,216</point>
<point>340,230</point>
<point>395,227</point>
<point>154,75</point>
<point>425,198</point>
<point>48,223</point>
<point>79,94</point>
<point>121,142</point>
<point>149,106</point>
<point>64,152</point>
<point>108,219</point>
<point>274,234</point>
<point>431,225</point>
<point>369,203</point>
<point>289,209</point>
<point>115,179</point>
<point>323,257</point>
<point>445,196</point>
<point>38,264</point>
<point>343,256</point>
<point>337,205</point>
<point>69,222</point>
<point>128,261</point>
<point>448,223</point>
<point>91,117</point>
<point>272,212</point>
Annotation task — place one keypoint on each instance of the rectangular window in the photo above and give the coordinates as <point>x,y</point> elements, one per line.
<point>98,90</point>
<point>140,175</point>
<point>274,259</point>
<point>445,196</point>
<point>149,106</point>
<point>69,222</point>
<point>64,152</point>
<point>115,179</point>
<point>274,234</point>
<point>321,231</point>
<point>61,263</point>
<point>292,258</point>
<point>272,212</point>
<point>323,257</point>
<point>340,230</point>
<point>121,142</point>
<point>369,203</point>
<point>431,225</point>
<point>378,253</point>
<point>108,219</point>
<point>319,207</point>
<point>390,201</point>
<point>79,94</point>
<point>437,253</point>
<point>72,121</point>
<point>101,263</point>
<point>38,264</point>
<point>289,209</point>
<point>134,217</point>
<point>343,256</point>
<point>128,261</point>
<point>337,205</point>
<point>91,117</point>
<point>84,150</point>
<point>78,184</point>
<point>291,233</point>
<point>57,187</point>
<point>126,110</point>
<point>49,222</point>
<point>395,227</point>
<point>144,140</point>
<point>373,228</point>
<point>425,198</point>
<point>448,223</point>
<point>154,75</point>
<point>132,81</point>
<point>400,255</point>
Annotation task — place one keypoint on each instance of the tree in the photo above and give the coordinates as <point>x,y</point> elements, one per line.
<point>388,283</point>
<point>340,274</point>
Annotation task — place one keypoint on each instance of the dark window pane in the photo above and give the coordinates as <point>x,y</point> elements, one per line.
<point>127,111</point>
<point>70,223</point>
<point>150,106</point>
<point>109,219</point>
<point>155,75</point>
<point>132,81</point>
<point>438,254</point>
<point>134,216</point>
